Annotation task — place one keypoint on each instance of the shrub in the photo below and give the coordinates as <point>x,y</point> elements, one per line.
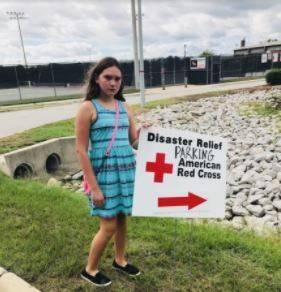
<point>273,77</point>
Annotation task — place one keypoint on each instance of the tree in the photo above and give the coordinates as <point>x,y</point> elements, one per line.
<point>272,40</point>
<point>207,53</point>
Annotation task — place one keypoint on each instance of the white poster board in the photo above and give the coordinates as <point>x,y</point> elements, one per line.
<point>180,174</point>
<point>264,58</point>
<point>198,63</point>
<point>275,57</point>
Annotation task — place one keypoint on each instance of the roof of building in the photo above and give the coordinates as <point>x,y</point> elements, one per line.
<point>266,44</point>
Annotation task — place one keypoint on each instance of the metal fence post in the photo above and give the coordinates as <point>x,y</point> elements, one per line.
<point>162,75</point>
<point>18,84</point>
<point>212,69</point>
<point>53,79</point>
<point>150,73</point>
<point>174,70</point>
<point>185,71</point>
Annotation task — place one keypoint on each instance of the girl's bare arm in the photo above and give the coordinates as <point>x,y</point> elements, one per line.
<point>133,132</point>
<point>84,118</point>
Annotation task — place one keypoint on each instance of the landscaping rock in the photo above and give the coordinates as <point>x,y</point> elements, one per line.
<point>54,182</point>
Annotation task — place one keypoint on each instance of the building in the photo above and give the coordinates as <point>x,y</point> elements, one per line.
<point>268,48</point>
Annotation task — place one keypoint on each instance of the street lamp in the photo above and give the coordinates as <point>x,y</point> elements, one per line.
<point>18,16</point>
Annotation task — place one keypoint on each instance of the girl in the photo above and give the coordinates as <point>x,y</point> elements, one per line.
<point>109,167</point>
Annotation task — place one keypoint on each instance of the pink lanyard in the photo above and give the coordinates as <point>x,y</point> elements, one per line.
<point>113,138</point>
<point>87,187</point>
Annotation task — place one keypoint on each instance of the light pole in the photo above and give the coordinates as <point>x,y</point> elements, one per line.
<point>135,44</point>
<point>140,45</point>
<point>18,16</point>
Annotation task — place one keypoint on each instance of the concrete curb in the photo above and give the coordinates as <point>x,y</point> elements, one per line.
<point>10,282</point>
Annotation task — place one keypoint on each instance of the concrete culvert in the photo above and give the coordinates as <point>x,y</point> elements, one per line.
<point>24,170</point>
<point>52,163</point>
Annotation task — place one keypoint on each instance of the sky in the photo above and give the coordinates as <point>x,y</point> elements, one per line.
<point>88,30</point>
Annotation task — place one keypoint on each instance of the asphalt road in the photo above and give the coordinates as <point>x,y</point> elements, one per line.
<point>24,119</point>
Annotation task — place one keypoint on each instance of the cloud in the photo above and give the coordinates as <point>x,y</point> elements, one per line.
<point>64,31</point>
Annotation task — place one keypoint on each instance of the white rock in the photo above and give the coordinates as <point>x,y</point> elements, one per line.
<point>268,217</point>
<point>254,198</point>
<point>238,222</point>
<point>254,223</point>
<point>260,184</point>
<point>277,204</point>
<point>240,198</point>
<point>256,210</point>
<point>228,215</point>
<point>249,177</point>
<point>268,207</point>
<point>279,176</point>
<point>271,212</point>
<point>239,211</point>
<point>53,182</point>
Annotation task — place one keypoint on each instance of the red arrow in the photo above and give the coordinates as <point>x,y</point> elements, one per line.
<point>191,201</point>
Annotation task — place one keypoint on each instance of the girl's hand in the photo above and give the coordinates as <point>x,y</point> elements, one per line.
<point>98,198</point>
<point>144,125</point>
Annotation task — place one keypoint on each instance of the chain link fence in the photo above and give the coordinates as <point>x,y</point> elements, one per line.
<point>62,79</point>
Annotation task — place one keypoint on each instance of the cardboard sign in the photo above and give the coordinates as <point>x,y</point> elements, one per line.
<point>180,174</point>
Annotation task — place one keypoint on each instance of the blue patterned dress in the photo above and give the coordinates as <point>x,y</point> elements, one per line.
<point>115,174</point>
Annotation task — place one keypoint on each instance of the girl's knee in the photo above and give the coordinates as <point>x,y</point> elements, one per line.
<point>108,227</point>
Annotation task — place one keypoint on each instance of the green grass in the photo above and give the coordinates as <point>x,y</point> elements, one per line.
<point>55,130</point>
<point>263,109</point>
<point>242,79</point>
<point>52,98</point>
<point>46,234</point>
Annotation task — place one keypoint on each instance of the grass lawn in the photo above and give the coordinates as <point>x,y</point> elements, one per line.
<point>46,233</point>
<point>242,79</point>
<point>263,109</point>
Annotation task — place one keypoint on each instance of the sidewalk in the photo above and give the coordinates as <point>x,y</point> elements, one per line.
<point>9,282</point>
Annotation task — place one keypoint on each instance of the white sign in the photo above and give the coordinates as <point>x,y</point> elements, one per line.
<point>264,58</point>
<point>197,63</point>
<point>180,174</point>
<point>275,57</point>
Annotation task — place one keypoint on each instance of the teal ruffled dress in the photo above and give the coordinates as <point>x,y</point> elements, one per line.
<point>115,174</point>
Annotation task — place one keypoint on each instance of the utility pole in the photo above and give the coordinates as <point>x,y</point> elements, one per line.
<point>18,16</point>
<point>135,45</point>
<point>140,45</point>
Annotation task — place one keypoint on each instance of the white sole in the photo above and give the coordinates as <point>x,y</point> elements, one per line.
<point>126,273</point>
<point>98,285</point>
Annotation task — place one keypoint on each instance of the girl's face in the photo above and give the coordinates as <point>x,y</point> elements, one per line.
<point>109,81</point>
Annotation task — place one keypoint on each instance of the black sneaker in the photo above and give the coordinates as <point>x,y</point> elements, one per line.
<point>99,279</point>
<point>128,269</point>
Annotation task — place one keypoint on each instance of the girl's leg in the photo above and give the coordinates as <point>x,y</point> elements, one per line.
<point>120,239</point>
<point>107,229</point>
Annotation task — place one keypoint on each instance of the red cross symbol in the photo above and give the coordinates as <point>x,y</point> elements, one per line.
<point>159,167</point>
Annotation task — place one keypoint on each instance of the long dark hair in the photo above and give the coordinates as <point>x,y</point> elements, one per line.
<point>93,89</point>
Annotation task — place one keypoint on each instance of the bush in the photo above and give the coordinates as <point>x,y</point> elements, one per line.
<point>273,77</point>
